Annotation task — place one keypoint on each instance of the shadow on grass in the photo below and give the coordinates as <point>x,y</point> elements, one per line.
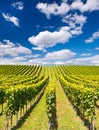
<point>97,106</point>
<point>27,114</point>
<point>0,113</point>
<point>85,121</point>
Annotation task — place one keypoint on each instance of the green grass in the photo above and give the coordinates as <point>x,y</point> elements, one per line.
<point>66,115</point>
<point>37,120</point>
<point>2,119</point>
<point>2,122</point>
<point>97,119</point>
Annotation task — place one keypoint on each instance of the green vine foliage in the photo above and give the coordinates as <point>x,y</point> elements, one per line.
<point>83,98</point>
<point>51,101</point>
<point>17,97</point>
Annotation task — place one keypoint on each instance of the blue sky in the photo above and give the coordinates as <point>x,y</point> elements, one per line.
<point>49,32</point>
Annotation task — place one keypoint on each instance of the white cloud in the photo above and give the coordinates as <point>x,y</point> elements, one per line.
<point>93,60</point>
<point>57,57</point>
<point>89,6</point>
<point>85,54</point>
<point>89,40</point>
<point>36,61</point>
<point>65,56</point>
<point>76,31</point>
<point>8,48</point>
<point>73,19</point>
<point>19,58</point>
<point>11,19</point>
<point>64,0</point>
<point>16,60</point>
<point>47,39</point>
<point>60,55</point>
<point>75,23</point>
<point>54,8</point>
<point>39,49</point>
<point>22,55</point>
<point>14,53</point>
<point>49,27</point>
<point>58,63</point>
<point>97,48</point>
<point>18,5</point>
<point>36,55</point>
<point>64,7</point>
<point>77,4</point>
<point>8,43</point>
<point>94,36</point>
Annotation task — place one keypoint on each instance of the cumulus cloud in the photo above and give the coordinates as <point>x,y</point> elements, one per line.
<point>75,22</point>
<point>39,48</point>
<point>85,54</point>
<point>36,55</point>
<point>93,60</point>
<point>47,39</point>
<point>55,9</point>
<point>8,48</point>
<point>94,36</point>
<point>14,53</point>
<point>16,60</point>
<point>19,58</point>
<point>64,7</point>
<point>74,18</point>
<point>89,6</point>
<point>65,57</point>
<point>18,5</point>
<point>56,57</point>
<point>97,48</point>
<point>11,19</point>
<point>60,55</point>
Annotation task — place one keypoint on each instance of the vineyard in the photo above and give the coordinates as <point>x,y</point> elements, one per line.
<point>49,97</point>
